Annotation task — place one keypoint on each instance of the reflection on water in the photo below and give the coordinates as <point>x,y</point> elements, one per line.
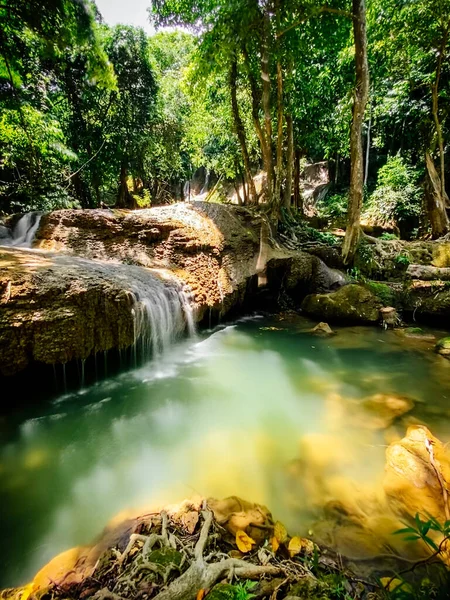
<point>259,409</point>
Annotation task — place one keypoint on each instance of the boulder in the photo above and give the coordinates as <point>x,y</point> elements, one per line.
<point>351,303</point>
<point>443,347</point>
<point>417,474</point>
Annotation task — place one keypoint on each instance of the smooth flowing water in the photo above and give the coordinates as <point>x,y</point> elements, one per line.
<point>260,409</point>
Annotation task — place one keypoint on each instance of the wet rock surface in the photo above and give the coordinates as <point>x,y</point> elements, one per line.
<point>71,296</point>
<point>351,303</point>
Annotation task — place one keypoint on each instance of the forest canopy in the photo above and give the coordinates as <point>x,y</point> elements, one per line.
<point>93,115</point>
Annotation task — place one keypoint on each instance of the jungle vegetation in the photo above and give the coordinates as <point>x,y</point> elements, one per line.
<point>92,115</point>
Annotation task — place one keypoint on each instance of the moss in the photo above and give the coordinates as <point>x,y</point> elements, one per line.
<point>382,291</point>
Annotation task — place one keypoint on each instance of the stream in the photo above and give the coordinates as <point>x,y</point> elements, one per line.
<point>260,408</point>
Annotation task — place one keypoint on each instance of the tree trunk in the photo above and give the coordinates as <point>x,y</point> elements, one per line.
<point>435,201</point>
<point>280,114</point>
<point>289,162</point>
<point>435,108</point>
<point>297,197</point>
<point>244,189</point>
<point>356,148</point>
<point>366,170</point>
<point>124,198</point>
<point>265,84</point>
<point>266,150</point>
<point>240,131</point>
<point>82,191</point>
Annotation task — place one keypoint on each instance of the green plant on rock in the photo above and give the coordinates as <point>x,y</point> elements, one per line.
<point>388,236</point>
<point>243,590</point>
<point>434,586</point>
<point>402,260</point>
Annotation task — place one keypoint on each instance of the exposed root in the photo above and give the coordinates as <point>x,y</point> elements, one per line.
<point>203,576</point>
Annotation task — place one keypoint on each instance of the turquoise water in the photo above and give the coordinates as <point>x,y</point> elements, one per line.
<point>260,408</point>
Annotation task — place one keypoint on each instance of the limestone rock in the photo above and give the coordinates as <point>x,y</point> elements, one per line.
<point>411,482</point>
<point>59,305</point>
<point>322,329</point>
<point>351,303</point>
<point>385,408</point>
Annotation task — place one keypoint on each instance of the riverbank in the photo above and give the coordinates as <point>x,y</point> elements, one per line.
<point>100,281</point>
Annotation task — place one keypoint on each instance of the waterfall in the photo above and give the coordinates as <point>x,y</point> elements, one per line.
<point>162,310</point>
<point>24,231</point>
<point>161,304</point>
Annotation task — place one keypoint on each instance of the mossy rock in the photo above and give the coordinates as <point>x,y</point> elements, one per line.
<point>165,557</point>
<point>351,303</point>
<point>382,291</point>
<point>414,330</point>
<point>443,347</point>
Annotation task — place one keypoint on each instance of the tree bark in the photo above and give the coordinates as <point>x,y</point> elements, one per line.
<point>356,148</point>
<point>266,149</point>
<point>435,201</point>
<point>297,196</point>
<point>280,114</point>
<point>265,84</point>
<point>289,162</point>
<point>124,198</point>
<point>366,170</point>
<point>435,107</point>
<point>240,131</point>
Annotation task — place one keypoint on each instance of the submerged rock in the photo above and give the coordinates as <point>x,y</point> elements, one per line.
<point>385,408</point>
<point>351,303</point>
<point>443,347</point>
<point>322,329</point>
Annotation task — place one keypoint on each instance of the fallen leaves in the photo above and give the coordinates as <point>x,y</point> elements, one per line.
<point>189,521</point>
<point>295,546</point>
<point>280,532</point>
<point>244,542</point>
<point>275,544</point>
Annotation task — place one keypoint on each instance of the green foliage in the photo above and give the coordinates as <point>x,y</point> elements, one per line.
<point>333,207</point>
<point>388,236</point>
<point>397,197</point>
<point>243,590</point>
<point>303,232</point>
<point>434,584</point>
<point>402,260</point>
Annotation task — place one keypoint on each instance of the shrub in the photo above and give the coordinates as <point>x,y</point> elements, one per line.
<point>397,197</point>
<point>333,207</point>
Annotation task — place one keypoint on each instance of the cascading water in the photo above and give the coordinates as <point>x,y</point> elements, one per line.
<point>162,310</point>
<point>24,231</point>
<point>162,305</point>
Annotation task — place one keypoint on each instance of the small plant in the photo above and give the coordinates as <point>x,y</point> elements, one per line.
<point>388,236</point>
<point>242,591</point>
<point>402,260</point>
<point>397,588</point>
